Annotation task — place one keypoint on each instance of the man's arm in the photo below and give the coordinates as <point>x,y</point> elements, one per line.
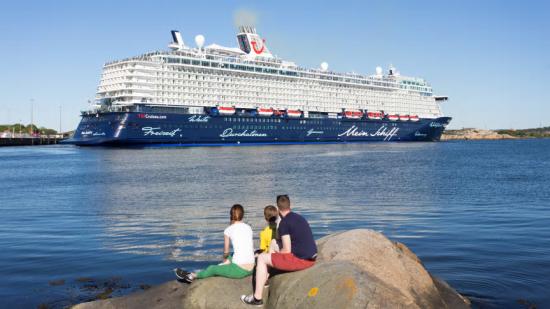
<point>286,244</point>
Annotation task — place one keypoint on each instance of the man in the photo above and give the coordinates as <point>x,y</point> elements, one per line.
<point>297,251</point>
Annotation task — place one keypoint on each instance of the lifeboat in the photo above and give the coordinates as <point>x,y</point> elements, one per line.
<point>278,112</point>
<point>393,117</point>
<point>265,111</point>
<point>404,117</point>
<point>223,110</point>
<point>414,118</point>
<point>293,113</point>
<point>353,114</point>
<point>375,115</point>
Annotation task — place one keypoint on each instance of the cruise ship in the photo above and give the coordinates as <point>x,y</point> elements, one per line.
<point>217,95</point>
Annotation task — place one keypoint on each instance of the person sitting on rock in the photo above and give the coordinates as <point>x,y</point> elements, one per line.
<point>298,250</point>
<point>242,262</point>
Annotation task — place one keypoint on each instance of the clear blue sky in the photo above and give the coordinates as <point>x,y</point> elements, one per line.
<point>490,57</point>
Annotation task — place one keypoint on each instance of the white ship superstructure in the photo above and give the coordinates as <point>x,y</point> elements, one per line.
<point>250,77</point>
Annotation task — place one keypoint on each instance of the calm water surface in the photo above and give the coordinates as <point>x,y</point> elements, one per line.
<point>476,213</point>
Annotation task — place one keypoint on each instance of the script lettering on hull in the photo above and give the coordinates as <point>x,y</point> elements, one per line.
<point>150,131</point>
<point>199,118</point>
<point>92,133</point>
<point>383,131</point>
<point>437,125</point>
<point>311,132</point>
<point>229,132</point>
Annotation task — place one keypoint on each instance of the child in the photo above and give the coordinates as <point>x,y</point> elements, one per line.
<point>271,214</point>
<point>239,234</point>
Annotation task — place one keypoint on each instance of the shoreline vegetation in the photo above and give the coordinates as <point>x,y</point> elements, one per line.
<point>480,134</point>
<point>20,129</point>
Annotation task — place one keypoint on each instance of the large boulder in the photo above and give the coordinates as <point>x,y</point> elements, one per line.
<point>217,292</point>
<point>392,263</point>
<point>333,285</point>
<point>354,269</point>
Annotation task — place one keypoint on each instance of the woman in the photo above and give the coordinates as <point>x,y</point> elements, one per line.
<point>242,262</point>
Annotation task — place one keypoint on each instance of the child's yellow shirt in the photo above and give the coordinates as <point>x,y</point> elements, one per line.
<point>265,238</point>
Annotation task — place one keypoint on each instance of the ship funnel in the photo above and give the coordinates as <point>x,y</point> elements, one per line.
<point>251,43</point>
<point>177,43</point>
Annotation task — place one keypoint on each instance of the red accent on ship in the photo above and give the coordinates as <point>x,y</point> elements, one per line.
<point>404,117</point>
<point>255,48</point>
<point>375,115</point>
<point>265,111</point>
<point>293,113</point>
<point>393,117</point>
<point>223,110</point>
<point>414,118</point>
<point>353,114</point>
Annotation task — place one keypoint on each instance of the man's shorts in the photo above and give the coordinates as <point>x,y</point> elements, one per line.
<point>289,262</point>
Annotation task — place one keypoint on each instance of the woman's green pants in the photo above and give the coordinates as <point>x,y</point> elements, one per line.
<point>230,270</point>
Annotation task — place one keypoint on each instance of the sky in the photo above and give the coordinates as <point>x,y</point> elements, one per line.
<point>491,58</point>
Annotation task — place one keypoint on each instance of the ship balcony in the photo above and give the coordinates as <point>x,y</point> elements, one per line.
<point>137,88</point>
<point>139,95</point>
<point>139,81</point>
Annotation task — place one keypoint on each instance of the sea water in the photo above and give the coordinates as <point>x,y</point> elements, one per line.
<point>78,221</point>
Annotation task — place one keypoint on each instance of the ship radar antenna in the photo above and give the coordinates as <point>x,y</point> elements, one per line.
<point>393,71</point>
<point>324,66</point>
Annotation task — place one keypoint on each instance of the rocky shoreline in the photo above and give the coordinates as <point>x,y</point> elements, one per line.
<point>355,269</point>
<point>474,134</point>
<point>480,134</point>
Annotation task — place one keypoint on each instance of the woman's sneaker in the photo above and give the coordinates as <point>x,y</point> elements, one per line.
<point>183,275</point>
<point>251,300</point>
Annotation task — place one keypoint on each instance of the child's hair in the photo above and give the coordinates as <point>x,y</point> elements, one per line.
<point>236,213</point>
<point>270,213</point>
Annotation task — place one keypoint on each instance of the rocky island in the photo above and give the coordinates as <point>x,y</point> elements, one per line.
<point>480,134</point>
<point>355,269</point>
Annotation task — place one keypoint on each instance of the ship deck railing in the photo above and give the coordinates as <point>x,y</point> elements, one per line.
<point>391,81</point>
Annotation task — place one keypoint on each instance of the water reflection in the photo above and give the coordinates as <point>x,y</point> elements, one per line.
<point>475,213</point>
<point>174,202</point>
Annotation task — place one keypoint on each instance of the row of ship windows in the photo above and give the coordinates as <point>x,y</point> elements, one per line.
<point>207,76</point>
<point>268,70</point>
<point>178,92</point>
<point>247,68</point>
<point>258,127</point>
<point>269,120</point>
<point>175,91</point>
<point>234,83</point>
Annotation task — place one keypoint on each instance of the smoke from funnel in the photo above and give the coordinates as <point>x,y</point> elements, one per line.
<point>245,17</point>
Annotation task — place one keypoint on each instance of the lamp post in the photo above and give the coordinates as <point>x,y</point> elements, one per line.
<point>32,121</point>
<point>32,116</point>
<point>60,132</point>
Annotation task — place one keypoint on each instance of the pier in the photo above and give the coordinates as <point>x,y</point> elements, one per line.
<point>31,141</point>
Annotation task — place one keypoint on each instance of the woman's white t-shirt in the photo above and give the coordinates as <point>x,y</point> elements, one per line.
<point>241,240</point>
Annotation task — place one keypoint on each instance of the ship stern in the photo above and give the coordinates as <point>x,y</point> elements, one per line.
<point>98,129</point>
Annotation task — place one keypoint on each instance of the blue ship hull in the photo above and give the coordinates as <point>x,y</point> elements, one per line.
<point>135,128</point>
